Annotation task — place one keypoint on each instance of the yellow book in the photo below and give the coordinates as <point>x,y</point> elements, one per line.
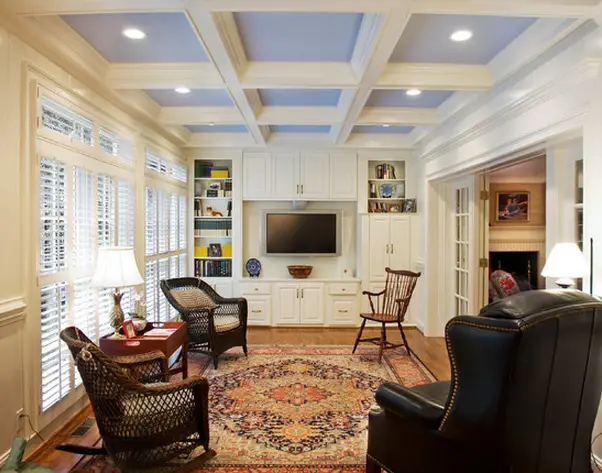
<point>227,250</point>
<point>200,251</point>
<point>217,173</point>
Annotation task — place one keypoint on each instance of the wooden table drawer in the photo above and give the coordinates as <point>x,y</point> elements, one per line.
<point>343,289</point>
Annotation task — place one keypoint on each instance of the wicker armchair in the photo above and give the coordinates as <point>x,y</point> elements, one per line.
<point>141,425</point>
<point>215,323</point>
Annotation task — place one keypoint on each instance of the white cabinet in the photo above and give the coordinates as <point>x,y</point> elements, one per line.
<point>314,176</point>
<point>223,288</point>
<point>259,310</point>
<point>285,175</point>
<point>389,244</point>
<point>343,176</point>
<point>298,303</point>
<point>257,176</point>
<point>342,304</point>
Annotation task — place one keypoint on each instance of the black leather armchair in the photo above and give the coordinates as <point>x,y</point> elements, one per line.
<point>525,389</point>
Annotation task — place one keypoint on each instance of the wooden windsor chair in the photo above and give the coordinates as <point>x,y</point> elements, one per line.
<point>389,307</point>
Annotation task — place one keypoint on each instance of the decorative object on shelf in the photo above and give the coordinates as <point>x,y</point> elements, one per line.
<point>372,190</point>
<point>512,206</point>
<point>219,172</point>
<point>128,329</point>
<point>138,315</point>
<point>215,250</point>
<point>116,267</point>
<point>566,262</point>
<point>253,267</point>
<point>409,205</point>
<point>386,191</point>
<point>400,190</point>
<point>299,271</point>
<point>394,208</point>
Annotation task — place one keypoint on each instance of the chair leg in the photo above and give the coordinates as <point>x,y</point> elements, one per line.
<point>403,337</point>
<point>359,336</point>
<point>372,466</point>
<point>214,361</point>
<point>383,340</point>
<point>244,349</point>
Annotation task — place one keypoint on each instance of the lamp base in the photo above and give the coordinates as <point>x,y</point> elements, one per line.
<point>565,283</point>
<point>116,315</point>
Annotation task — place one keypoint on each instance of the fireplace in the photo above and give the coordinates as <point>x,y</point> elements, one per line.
<point>523,265</point>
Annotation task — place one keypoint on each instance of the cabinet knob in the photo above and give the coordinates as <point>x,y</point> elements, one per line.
<point>256,311</point>
<point>256,289</point>
<point>343,310</point>
<point>343,289</point>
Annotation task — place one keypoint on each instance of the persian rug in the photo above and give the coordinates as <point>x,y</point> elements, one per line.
<point>292,409</point>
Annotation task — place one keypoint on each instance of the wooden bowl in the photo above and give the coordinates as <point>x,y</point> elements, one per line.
<point>300,272</point>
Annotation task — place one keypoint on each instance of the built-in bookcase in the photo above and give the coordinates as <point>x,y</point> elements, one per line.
<point>213,229</point>
<point>386,186</point>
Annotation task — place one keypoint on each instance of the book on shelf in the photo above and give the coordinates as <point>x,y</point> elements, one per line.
<point>213,268</point>
<point>217,227</point>
<point>384,171</point>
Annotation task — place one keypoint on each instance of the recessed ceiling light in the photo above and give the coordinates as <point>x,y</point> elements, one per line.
<point>461,35</point>
<point>182,90</point>
<point>413,92</point>
<point>386,125</point>
<point>211,124</point>
<point>134,33</point>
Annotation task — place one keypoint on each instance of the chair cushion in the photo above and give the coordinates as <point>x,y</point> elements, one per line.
<point>192,298</point>
<point>224,323</point>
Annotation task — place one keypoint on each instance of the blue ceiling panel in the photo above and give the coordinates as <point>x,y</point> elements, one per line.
<point>404,130</point>
<point>300,97</point>
<point>169,36</point>
<point>426,38</point>
<point>218,128</point>
<point>300,128</point>
<point>298,36</point>
<point>398,98</point>
<point>196,98</point>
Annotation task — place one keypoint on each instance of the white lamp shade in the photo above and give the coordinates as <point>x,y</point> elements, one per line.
<point>116,267</point>
<point>565,261</point>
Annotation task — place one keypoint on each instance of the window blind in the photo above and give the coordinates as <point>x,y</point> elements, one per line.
<point>151,221</point>
<point>160,165</point>
<point>60,119</point>
<point>106,211</point>
<point>115,145</point>
<point>53,218</point>
<point>125,214</point>
<point>174,216</point>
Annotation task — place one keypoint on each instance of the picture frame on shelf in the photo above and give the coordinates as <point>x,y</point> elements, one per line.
<point>513,206</point>
<point>409,206</point>
<point>128,329</point>
<point>215,250</point>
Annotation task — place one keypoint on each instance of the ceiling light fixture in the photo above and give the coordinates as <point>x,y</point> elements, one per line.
<point>211,124</point>
<point>182,90</point>
<point>413,92</point>
<point>386,125</point>
<point>461,35</point>
<point>134,33</point>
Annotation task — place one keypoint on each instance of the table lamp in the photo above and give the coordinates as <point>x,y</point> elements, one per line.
<point>566,261</point>
<point>116,267</point>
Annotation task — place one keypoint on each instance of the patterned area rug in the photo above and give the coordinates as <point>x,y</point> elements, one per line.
<point>292,409</point>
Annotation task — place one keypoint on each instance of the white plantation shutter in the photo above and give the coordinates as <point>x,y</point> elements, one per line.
<point>105,304</point>
<point>183,272</point>
<point>106,211</point>
<point>163,221</point>
<point>183,219</point>
<point>173,223</point>
<point>180,172</point>
<point>60,119</point>
<point>163,166</point>
<point>125,213</point>
<point>55,361</point>
<point>53,218</point>
<point>84,313</point>
<point>83,218</point>
<point>153,161</point>
<point>151,221</point>
<point>163,303</point>
<point>152,290</point>
<point>112,143</point>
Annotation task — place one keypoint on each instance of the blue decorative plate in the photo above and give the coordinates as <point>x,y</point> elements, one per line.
<point>253,267</point>
<point>386,191</point>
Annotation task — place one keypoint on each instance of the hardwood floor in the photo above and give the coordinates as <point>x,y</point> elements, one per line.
<point>431,351</point>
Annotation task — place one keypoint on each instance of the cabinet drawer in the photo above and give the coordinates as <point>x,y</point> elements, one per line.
<point>343,311</point>
<point>248,288</point>
<point>343,289</point>
<point>259,310</point>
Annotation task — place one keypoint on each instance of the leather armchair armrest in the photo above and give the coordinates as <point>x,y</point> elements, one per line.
<point>410,404</point>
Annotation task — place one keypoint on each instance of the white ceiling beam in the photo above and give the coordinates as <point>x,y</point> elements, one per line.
<point>64,7</point>
<point>382,41</point>
<point>299,116</point>
<point>141,102</point>
<point>264,75</point>
<point>219,140</point>
<point>435,77</point>
<point>199,115</point>
<point>180,132</point>
<point>221,39</point>
<point>379,140</point>
<point>398,116</point>
<point>198,75</point>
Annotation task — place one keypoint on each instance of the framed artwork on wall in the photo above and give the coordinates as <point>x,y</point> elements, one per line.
<point>512,206</point>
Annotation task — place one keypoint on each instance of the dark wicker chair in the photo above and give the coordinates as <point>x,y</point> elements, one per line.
<point>390,308</point>
<point>142,425</point>
<point>215,324</point>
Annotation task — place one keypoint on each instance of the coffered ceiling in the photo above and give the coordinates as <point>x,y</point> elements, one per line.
<point>337,72</point>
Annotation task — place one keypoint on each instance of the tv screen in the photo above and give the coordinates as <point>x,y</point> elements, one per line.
<point>297,233</point>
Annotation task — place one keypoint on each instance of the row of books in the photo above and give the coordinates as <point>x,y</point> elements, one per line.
<point>384,171</point>
<point>217,227</point>
<point>209,212</point>
<point>213,268</point>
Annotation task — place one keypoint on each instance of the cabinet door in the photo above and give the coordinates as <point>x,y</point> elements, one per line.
<point>285,175</point>
<point>312,304</point>
<point>224,289</point>
<point>399,243</point>
<point>379,247</point>
<point>257,172</point>
<point>286,304</point>
<point>259,310</point>
<point>315,180</point>
<point>343,176</point>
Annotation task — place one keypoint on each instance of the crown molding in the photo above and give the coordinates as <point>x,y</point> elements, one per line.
<point>429,76</point>
<point>367,39</point>
<point>141,102</point>
<point>268,75</point>
<point>226,25</point>
<point>272,115</point>
<point>200,115</point>
<point>398,116</point>
<point>65,7</point>
<point>219,140</point>
<point>181,133</point>
<point>136,76</point>
<point>379,140</point>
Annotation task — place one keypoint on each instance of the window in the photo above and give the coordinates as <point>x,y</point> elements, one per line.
<point>158,164</point>
<point>166,215</point>
<point>53,208</point>
<point>60,119</point>
<point>115,145</point>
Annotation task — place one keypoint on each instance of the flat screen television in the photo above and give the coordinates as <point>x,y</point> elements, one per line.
<point>315,233</point>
